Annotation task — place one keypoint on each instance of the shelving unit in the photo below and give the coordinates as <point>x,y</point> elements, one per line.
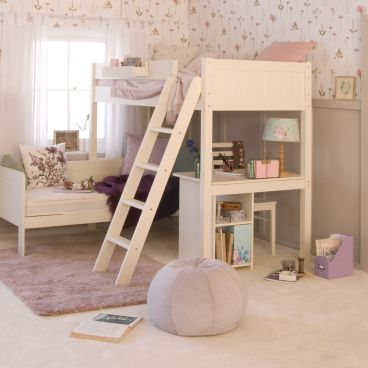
<point>263,87</point>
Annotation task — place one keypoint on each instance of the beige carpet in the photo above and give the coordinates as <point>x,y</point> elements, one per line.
<point>56,277</point>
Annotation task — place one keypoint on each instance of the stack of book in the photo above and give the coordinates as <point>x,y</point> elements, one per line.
<point>225,246</point>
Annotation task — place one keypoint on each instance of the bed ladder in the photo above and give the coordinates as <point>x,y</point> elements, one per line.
<point>163,170</point>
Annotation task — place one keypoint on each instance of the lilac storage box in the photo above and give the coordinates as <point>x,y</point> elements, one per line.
<point>340,266</point>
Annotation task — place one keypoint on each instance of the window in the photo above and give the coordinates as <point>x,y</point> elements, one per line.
<point>69,82</point>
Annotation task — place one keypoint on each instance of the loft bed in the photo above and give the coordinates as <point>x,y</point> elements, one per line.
<point>230,85</point>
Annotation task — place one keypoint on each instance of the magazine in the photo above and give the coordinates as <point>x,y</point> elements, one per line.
<point>328,247</point>
<point>105,327</point>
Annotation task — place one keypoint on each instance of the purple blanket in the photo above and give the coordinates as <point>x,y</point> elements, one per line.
<point>113,186</point>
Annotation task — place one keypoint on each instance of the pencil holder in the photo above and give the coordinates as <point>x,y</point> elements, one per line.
<point>228,166</point>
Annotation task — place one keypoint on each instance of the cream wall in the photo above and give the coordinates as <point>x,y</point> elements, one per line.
<point>243,28</point>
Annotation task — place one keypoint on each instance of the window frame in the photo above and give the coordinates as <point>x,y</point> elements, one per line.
<point>77,35</point>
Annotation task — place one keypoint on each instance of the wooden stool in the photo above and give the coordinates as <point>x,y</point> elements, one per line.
<point>260,206</point>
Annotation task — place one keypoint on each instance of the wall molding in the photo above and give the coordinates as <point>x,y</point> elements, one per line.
<point>336,104</point>
<point>364,150</point>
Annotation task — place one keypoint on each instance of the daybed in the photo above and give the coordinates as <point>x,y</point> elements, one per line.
<point>46,207</point>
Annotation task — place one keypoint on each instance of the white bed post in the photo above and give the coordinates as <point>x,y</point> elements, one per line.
<point>21,240</point>
<point>306,168</point>
<point>206,200</point>
<point>92,151</point>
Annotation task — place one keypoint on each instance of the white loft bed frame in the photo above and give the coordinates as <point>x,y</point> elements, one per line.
<point>227,85</point>
<point>233,85</point>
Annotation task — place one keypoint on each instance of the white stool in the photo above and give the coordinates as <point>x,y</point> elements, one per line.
<point>260,206</point>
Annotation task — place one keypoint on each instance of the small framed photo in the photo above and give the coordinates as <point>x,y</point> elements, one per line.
<point>70,137</point>
<point>345,88</point>
<point>132,61</point>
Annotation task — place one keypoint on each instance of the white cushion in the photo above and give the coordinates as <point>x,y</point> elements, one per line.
<point>196,297</point>
<point>54,201</point>
<point>45,166</point>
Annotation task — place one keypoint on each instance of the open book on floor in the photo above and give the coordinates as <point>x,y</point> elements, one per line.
<point>105,327</point>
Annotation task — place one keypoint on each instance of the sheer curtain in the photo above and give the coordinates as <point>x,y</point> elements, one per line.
<point>20,34</point>
<point>120,119</point>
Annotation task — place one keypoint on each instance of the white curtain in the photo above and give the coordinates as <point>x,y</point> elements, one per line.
<point>17,76</point>
<point>120,119</point>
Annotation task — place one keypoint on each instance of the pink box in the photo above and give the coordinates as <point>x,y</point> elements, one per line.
<point>266,169</point>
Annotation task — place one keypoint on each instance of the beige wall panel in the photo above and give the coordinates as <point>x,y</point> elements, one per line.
<point>336,174</point>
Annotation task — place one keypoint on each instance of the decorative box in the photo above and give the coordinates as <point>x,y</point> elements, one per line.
<point>262,169</point>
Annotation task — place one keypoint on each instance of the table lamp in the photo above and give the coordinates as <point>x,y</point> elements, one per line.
<point>281,130</point>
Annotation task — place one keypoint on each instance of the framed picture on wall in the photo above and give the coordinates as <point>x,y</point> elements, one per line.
<point>70,137</point>
<point>345,88</point>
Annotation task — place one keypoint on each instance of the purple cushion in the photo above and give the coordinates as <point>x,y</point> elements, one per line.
<point>133,144</point>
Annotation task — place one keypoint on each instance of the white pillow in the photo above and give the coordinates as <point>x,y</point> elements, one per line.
<point>133,144</point>
<point>45,166</point>
<point>183,54</point>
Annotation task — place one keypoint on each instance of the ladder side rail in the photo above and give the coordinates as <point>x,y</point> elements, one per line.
<point>159,184</point>
<point>148,141</point>
<point>119,217</point>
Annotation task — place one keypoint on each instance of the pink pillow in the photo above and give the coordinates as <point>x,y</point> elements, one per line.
<point>286,51</point>
<point>133,144</point>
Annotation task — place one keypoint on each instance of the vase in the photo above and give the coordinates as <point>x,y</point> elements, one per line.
<point>196,167</point>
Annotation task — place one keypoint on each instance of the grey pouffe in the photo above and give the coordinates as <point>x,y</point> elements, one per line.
<point>196,297</point>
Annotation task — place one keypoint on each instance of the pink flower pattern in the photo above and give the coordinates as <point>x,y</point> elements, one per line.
<point>47,167</point>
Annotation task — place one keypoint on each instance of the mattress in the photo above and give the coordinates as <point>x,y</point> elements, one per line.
<point>54,201</point>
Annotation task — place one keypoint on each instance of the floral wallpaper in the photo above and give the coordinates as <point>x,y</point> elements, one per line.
<point>166,21</point>
<point>233,28</point>
<point>242,28</point>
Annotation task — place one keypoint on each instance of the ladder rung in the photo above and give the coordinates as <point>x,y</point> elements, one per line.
<point>162,130</point>
<point>134,203</point>
<point>119,240</point>
<point>146,165</point>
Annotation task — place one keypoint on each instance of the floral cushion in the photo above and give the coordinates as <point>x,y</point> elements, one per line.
<point>183,54</point>
<point>45,166</point>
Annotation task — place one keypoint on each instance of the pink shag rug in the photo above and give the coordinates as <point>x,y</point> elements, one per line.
<point>57,278</point>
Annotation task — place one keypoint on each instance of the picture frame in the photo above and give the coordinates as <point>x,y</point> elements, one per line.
<point>70,137</point>
<point>345,87</point>
<point>132,61</point>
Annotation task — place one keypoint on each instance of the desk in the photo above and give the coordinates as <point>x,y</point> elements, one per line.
<point>224,187</point>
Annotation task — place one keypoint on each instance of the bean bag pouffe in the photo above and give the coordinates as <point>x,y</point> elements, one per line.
<point>196,297</point>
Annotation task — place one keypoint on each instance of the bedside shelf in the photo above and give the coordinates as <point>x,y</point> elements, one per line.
<point>120,72</point>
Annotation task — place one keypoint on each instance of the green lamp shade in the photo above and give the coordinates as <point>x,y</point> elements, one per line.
<point>281,130</point>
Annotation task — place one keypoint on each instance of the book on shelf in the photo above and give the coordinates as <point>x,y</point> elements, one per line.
<point>229,241</point>
<point>105,327</point>
<point>241,253</point>
<point>220,245</point>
